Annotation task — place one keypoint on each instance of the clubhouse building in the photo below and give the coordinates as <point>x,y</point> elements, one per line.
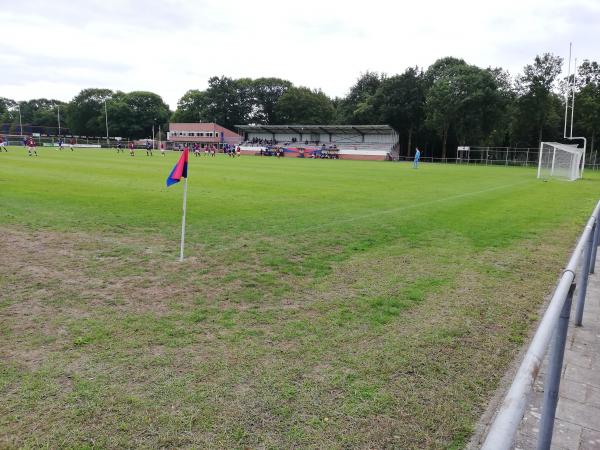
<point>203,133</point>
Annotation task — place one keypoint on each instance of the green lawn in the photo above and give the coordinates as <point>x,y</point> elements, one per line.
<point>322,304</point>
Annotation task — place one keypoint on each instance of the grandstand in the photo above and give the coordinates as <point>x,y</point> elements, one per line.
<point>374,142</point>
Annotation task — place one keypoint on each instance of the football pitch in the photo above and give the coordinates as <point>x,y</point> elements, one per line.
<point>321,304</point>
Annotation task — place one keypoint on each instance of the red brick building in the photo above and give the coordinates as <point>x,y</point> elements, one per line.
<point>202,133</point>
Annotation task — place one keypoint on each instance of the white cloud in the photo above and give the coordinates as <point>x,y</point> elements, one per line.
<point>55,50</point>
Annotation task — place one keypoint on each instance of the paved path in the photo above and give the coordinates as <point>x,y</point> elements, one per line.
<point>577,423</point>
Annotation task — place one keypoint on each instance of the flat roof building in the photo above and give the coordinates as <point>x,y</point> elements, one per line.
<point>202,133</point>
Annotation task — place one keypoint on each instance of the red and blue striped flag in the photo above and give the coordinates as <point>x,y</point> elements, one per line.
<point>180,169</point>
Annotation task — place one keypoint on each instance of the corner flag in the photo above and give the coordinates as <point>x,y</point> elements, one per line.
<point>180,169</point>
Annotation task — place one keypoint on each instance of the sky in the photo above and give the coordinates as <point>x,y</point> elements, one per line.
<point>54,49</point>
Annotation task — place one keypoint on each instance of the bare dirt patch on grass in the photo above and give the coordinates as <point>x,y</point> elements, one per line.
<point>109,342</point>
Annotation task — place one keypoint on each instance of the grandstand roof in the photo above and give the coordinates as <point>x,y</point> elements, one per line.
<point>333,129</point>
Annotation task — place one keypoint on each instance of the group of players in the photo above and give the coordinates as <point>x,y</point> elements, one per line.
<point>149,148</point>
<point>30,144</point>
<point>209,149</point>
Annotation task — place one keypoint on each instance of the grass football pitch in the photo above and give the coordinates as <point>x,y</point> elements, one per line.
<point>321,304</point>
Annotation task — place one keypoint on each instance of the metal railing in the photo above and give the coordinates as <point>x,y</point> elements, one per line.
<point>554,323</point>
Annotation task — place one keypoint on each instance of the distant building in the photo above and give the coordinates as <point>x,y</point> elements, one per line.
<point>202,133</point>
<point>377,142</point>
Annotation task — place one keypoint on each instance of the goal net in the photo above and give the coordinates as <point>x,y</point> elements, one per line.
<point>560,161</point>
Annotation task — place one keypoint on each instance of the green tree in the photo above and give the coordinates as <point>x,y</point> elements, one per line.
<point>500,134</point>
<point>441,67</point>
<point>85,113</point>
<point>587,108</point>
<point>192,107</point>
<point>134,114</point>
<point>587,102</point>
<point>266,93</point>
<point>301,105</point>
<point>399,102</point>
<point>535,89</point>
<point>466,98</point>
<point>357,106</point>
<point>588,73</point>
<point>229,101</point>
<point>8,117</point>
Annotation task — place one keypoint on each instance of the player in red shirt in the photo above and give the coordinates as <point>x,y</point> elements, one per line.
<point>31,146</point>
<point>131,148</point>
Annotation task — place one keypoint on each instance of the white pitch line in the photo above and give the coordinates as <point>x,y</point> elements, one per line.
<point>419,205</point>
<point>393,210</point>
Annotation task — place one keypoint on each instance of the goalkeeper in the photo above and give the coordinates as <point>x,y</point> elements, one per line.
<point>417,158</point>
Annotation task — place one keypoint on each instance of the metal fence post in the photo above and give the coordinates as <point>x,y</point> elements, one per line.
<point>583,279</point>
<point>552,384</point>
<point>595,244</point>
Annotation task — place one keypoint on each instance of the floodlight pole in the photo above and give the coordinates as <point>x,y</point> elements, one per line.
<point>106,121</point>
<point>58,113</point>
<point>20,121</point>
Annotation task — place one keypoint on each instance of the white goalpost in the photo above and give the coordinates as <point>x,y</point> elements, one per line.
<point>564,160</point>
<point>561,161</point>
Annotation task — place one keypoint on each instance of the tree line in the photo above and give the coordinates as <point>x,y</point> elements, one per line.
<point>450,103</point>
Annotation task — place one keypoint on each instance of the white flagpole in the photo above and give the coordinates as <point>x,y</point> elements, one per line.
<point>183,219</point>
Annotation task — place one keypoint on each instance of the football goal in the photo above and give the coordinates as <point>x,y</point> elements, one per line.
<point>560,161</point>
